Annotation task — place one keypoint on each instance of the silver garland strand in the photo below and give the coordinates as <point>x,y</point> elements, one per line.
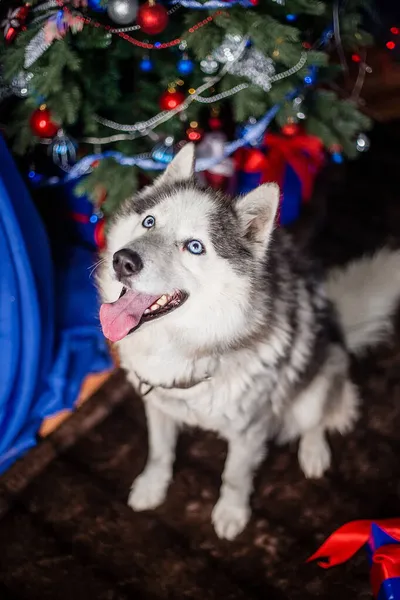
<point>36,47</point>
<point>252,64</point>
<point>131,136</point>
<point>145,127</point>
<point>222,95</point>
<point>299,65</point>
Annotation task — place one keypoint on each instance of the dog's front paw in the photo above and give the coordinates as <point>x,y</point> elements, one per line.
<point>149,490</point>
<point>229,519</point>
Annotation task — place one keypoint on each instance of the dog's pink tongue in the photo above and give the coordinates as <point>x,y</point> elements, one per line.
<point>119,317</point>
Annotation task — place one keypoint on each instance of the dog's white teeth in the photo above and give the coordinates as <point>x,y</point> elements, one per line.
<point>162,301</point>
<point>154,307</point>
<point>147,311</point>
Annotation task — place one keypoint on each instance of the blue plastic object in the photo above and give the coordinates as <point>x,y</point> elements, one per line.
<point>49,332</point>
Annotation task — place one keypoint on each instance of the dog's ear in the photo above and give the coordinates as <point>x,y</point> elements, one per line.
<point>257,212</point>
<point>181,167</point>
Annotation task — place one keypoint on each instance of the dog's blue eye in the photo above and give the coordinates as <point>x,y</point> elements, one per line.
<point>149,222</point>
<point>195,247</point>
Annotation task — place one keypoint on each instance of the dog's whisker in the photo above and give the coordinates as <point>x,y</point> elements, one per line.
<point>96,266</point>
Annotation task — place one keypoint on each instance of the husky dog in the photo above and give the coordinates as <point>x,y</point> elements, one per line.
<point>222,324</point>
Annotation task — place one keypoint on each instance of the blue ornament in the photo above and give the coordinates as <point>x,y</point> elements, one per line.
<point>164,151</point>
<point>185,66</point>
<point>311,75</point>
<point>146,65</point>
<point>97,5</point>
<point>290,17</point>
<point>337,158</point>
<point>63,151</point>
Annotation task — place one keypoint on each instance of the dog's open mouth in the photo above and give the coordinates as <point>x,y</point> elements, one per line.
<point>132,309</point>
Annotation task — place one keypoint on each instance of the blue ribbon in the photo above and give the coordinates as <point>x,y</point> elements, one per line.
<point>84,166</point>
<point>212,4</point>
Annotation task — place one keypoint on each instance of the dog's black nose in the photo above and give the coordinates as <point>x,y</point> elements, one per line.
<point>126,262</point>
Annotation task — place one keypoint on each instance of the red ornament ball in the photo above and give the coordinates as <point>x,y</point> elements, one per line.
<point>41,123</point>
<point>194,134</point>
<point>290,129</point>
<point>152,18</point>
<point>171,99</point>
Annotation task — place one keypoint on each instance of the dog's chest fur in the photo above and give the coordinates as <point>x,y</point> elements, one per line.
<point>221,394</point>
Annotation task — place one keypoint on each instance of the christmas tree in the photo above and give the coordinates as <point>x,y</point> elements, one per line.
<point>114,86</point>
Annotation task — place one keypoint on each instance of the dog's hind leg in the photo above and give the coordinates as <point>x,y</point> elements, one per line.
<point>150,488</point>
<point>340,414</point>
<point>314,453</point>
<point>328,403</point>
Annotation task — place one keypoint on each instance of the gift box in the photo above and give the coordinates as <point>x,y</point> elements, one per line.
<point>292,161</point>
<point>382,540</point>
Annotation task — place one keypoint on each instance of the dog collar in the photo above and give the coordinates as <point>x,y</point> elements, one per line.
<point>184,386</point>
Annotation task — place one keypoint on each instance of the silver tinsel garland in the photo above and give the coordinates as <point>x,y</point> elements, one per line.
<point>36,47</point>
<point>256,67</point>
<point>252,64</point>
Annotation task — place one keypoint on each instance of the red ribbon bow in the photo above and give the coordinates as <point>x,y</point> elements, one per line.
<point>348,539</point>
<point>304,153</point>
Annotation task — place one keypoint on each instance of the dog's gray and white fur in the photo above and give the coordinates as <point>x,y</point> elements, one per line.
<point>260,349</point>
